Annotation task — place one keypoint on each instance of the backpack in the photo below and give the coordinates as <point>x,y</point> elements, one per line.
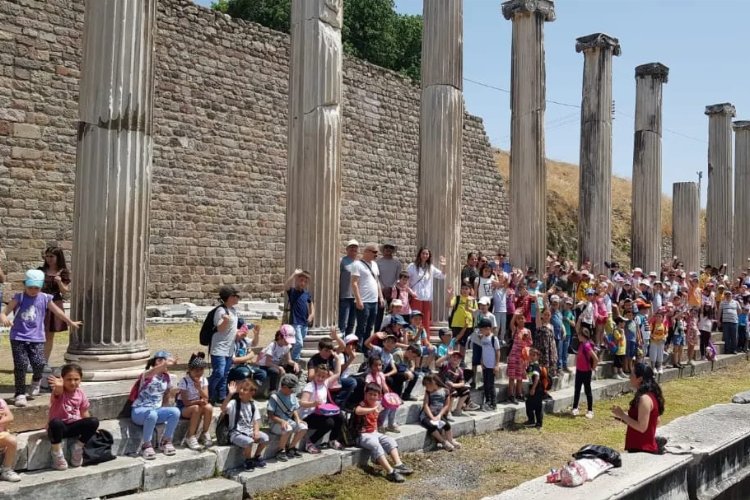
<point>454,309</point>
<point>611,344</point>
<point>598,451</point>
<point>545,379</point>
<point>208,328</point>
<point>350,429</point>
<point>223,430</point>
<point>98,449</point>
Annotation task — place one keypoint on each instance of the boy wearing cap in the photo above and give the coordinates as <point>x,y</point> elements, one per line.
<point>27,337</point>
<point>284,418</point>
<point>347,315</point>
<point>301,309</point>
<point>222,343</point>
<point>453,376</point>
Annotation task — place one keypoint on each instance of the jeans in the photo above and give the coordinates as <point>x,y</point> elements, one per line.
<point>348,384</point>
<point>366,321</point>
<point>346,316</point>
<point>217,382</point>
<point>705,338</point>
<point>501,320</point>
<point>730,337</point>
<point>149,417</point>
<point>742,338</point>
<point>562,352</point>
<point>300,332</point>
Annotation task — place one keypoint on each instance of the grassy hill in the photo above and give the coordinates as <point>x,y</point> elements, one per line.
<point>562,210</point>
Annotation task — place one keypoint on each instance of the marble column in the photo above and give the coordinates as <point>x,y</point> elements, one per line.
<point>646,211</point>
<point>528,171</point>
<point>741,195</point>
<point>686,224</point>
<point>595,171</point>
<point>441,141</point>
<point>113,186</point>
<point>719,221</point>
<point>314,162</point>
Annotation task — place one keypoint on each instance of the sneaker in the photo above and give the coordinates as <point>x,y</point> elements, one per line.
<point>456,444</point>
<point>338,446</point>
<point>76,458</point>
<point>393,428</point>
<point>207,440</point>
<point>529,424</point>
<point>486,407</point>
<point>8,474</point>
<point>589,414</point>
<point>382,430</point>
<point>575,412</point>
<point>192,443</point>
<point>34,389</point>
<point>20,401</point>
<point>58,461</point>
<point>260,462</point>
<point>472,406</point>
<point>403,469</point>
<point>473,385</point>
<point>167,447</point>
<point>147,452</point>
<point>249,464</point>
<point>395,477</point>
<point>293,453</point>
<point>448,446</point>
<point>312,449</point>
<point>281,456</point>
<point>449,418</point>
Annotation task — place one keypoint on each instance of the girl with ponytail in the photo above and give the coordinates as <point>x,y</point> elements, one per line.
<point>643,415</point>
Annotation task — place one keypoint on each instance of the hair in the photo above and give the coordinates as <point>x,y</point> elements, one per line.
<point>432,378</point>
<point>325,344</point>
<point>533,351</point>
<point>60,256</point>
<point>465,283</point>
<point>277,335</point>
<point>444,331</point>
<point>414,349</point>
<point>151,363</point>
<point>648,384</point>
<point>323,366</point>
<point>471,254</point>
<point>71,367</point>
<point>585,333</point>
<point>483,267</point>
<point>417,259</point>
<point>250,381</point>
<point>197,360</point>
<point>403,274</point>
<point>371,387</point>
<point>373,359</point>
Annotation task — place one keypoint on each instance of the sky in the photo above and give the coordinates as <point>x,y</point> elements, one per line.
<point>702,42</point>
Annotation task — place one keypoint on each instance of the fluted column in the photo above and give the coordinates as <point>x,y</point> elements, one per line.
<point>646,211</point>
<point>719,223</point>
<point>595,172</point>
<point>441,140</point>
<point>686,223</point>
<point>314,168</point>
<point>741,195</point>
<point>113,186</point>
<point>528,171</point>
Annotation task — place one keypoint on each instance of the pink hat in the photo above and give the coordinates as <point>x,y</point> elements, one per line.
<point>287,331</point>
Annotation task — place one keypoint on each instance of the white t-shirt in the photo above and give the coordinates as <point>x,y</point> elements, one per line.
<point>222,343</point>
<point>186,384</point>
<point>249,413</point>
<point>420,280</point>
<point>318,392</point>
<point>500,300</point>
<point>274,353</point>
<point>368,282</point>
<point>484,288</point>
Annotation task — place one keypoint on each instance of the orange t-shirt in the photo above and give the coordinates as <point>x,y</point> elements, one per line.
<point>368,423</point>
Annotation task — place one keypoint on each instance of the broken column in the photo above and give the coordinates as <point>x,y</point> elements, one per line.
<point>719,224</point>
<point>646,206</point>
<point>441,141</point>
<point>113,186</point>
<point>314,162</point>
<point>741,195</point>
<point>528,171</point>
<point>686,224</point>
<point>595,175</point>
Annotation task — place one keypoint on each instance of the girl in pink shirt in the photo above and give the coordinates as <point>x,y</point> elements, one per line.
<point>586,361</point>
<point>69,416</point>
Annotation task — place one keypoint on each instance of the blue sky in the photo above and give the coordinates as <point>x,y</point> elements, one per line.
<point>703,42</point>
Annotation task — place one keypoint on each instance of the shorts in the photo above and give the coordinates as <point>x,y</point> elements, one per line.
<point>619,358</point>
<point>377,444</point>
<point>476,354</point>
<point>243,440</point>
<point>427,350</point>
<point>457,331</point>
<point>678,340</point>
<point>276,428</point>
<point>630,349</point>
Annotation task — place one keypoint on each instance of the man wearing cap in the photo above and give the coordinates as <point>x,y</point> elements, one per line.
<point>222,342</point>
<point>367,292</point>
<point>347,315</point>
<point>390,267</point>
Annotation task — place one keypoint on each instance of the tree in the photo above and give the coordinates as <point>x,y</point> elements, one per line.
<point>372,29</point>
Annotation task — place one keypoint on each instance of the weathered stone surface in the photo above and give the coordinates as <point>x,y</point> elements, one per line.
<point>741,195</point>
<point>686,212</point>
<point>282,474</point>
<point>211,489</point>
<point>184,467</point>
<point>26,131</point>
<point>742,398</point>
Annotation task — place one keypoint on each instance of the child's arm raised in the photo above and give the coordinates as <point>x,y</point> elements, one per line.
<point>231,391</point>
<point>337,338</point>
<point>56,384</point>
<point>256,336</point>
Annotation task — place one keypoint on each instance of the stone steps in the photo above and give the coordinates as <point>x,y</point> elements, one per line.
<point>209,489</point>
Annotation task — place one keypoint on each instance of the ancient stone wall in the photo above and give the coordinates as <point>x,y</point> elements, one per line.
<point>218,200</point>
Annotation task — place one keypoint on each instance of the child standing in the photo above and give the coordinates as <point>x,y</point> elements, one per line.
<point>516,365</point>
<point>569,323</point>
<point>244,422</point>
<point>678,339</point>
<point>284,418</point>
<point>534,412</point>
<point>301,309</point>
<point>154,387</point>
<point>437,404</point>
<point>225,320</point>
<point>403,292</point>
<point>476,338</point>
<point>461,318</point>
<point>375,376</point>
<point>69,416</point>
<point>742,328</point>
<point>631,339</point>
<point>622,345</point>
<point>193,402</point>
<point>658,339</point>
<point>586,361</point>
<point>7,444</point>
<point>27,337</point>
<point>490,363</point>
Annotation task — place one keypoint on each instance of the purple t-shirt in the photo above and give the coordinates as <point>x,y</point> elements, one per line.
<point>28,322</point>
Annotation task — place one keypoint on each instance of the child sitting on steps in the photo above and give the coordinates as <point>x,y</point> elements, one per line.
<point>7,445</point>
<point>437,404</point>
<point>193,401</point>
<point>244,422</point>
<point>284,418</point>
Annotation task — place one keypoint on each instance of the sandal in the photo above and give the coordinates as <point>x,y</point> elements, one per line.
<point>312,449</point>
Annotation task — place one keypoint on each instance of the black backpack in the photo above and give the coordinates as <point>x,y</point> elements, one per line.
<point>208,329</point>
<point>598,451</point>
<point>350,429</point>
<point>98,449</point>
<point>222,426</point>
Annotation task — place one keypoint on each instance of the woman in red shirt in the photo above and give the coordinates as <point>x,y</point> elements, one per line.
<point>643,415</point>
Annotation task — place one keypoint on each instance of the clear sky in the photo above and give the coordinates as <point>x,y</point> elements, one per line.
<point>703,42</point>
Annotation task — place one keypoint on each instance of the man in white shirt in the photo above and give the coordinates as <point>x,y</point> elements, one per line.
<point>368,294</point>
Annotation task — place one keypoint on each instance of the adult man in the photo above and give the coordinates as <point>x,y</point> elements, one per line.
<point>346,296</point>
<point>367,292</point>
<point>501,264</point>
<point>390,267</point>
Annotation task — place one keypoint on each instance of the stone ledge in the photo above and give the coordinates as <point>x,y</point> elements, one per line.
<point>210,489</point>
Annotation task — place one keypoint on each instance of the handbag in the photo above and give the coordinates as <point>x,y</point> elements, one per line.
<point>326,409</point>
<point>391,401</point>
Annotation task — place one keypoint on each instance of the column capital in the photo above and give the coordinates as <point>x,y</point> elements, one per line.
<point>546,8</point>
<point>657,71</point>
<point>598,41</point>
<point>741,125</point>
<point>725,108</point>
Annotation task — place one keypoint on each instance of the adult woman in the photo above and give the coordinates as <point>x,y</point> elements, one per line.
<point>421,273</point>
<point>729,310</point>
<point>56,283</point>
<point>643,415</point>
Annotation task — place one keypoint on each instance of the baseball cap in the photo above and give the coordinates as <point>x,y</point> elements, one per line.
<point>351,338</point>
<point>34,278</point>
<point>416,312</point>
<point>652,274</point>
<point>227,291</point>
<point>389,244</point>
<point>554,298</point>
<point>352,243</point>
<point>484,301</point>
<point>457,353</point>
<point>637,270</point>
<point>484,323</point>
<point>397,319</point>
<point>287,331</point>
<point>161,354</point>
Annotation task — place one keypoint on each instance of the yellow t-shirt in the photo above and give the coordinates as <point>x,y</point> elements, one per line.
<point>658,332</point>
<point>464,315</point>
<point>621,342</point>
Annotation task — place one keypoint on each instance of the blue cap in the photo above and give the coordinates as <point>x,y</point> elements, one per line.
<point>397,319</point>
<point>34,278</point>
<point>161,354</point>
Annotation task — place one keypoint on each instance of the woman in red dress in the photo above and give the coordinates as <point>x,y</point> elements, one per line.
<point>643,415</point>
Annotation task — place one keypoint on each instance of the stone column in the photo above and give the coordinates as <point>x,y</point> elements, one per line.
<point>314,168</point>
<point>595,176</point>
<point>113,187</point>
<point>441,141</point>
<point>528,171</point>
<point>686,224</point>
<point>741,195</point>
<point>719,223</point>
<point>646,211</point>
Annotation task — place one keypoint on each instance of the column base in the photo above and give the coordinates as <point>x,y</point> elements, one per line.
<point>109,367</point>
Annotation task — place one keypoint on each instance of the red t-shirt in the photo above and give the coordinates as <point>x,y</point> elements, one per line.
<point>369,422</point>
<point>643,441</point>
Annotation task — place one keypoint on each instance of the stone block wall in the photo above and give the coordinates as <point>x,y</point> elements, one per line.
<point>219,176</point>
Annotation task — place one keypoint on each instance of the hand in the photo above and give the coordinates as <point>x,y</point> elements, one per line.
<point>442,261</point>
<point>55,382</point>
<point>334,332</point>
<point>225,317</point>
<point>497,371</point>
<point>381,302</point>
<point>531,392</point>
<point>285,426</point>
<point>58,279</point>
<point>282,372</point>
<point>359,305</point>
<point>256,329</point>
<point>296,366</point>
<point>202,402</point>
<point>379,407</point>
<point>256,435</point>
<point>449,290</point>
<point>618,413</point>
<point>74,325</point>
<point>5,321</point>
<point>232,388</point>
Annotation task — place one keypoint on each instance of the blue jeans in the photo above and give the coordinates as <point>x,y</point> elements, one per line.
<point>562,352</point>
<point>346,316</point>
<point>300,332</point>
<point>366,322</point>
<point>730,337</point>
<point>217,382</point>
<point>149,417</point>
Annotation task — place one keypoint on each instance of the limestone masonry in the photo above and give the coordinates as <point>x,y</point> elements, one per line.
<point>220,150</point>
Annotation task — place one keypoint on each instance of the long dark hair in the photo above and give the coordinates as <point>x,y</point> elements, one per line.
<point>431,377</point>
<point>418,259</point>
<point>59,257</point>
<point>649,384</point>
